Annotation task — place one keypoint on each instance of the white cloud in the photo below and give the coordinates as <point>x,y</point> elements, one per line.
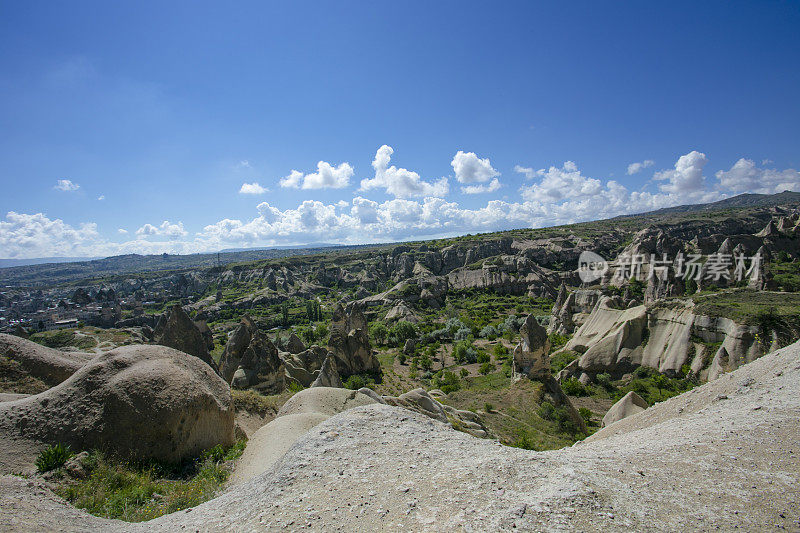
<point>469,168</point>
<point>479,189</point>
<point>23,235</point>
<point>166,229</point>
<point>400,182</point>
<point>527,171</point>
<point>561,183</point>
<point>252,188</point>
<point>745,176</point>
<point>101,197</point>
<point>244,163</point>
<point>687,177</point>
<point>557,195</point>
<point>326,177</point>
<point>67,185</point>
<point>634,168</point>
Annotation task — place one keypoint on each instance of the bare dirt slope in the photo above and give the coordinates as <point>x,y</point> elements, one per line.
<point>725,455</point>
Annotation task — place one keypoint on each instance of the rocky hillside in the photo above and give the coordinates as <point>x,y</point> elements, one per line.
<point>723,456</point>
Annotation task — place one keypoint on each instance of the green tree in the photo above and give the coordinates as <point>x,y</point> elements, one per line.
<point>379,332</point>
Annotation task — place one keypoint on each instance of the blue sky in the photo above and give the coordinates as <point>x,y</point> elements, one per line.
<point>167,109</point>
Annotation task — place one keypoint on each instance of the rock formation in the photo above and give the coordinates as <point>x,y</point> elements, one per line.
<point>628,405</point>
<point>178,331</point>
<point>294,345</point>
<point>349,342</point>
<point>531,354</point>
<point>328,375</point>
<point>140,401</point>
<point>49,365</point>
<point>303,368</point>
<point>665,338</point>
<point>250,360</point>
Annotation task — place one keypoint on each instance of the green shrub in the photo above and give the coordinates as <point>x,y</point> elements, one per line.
<point>53,457</point>
<point>447,382</point>
<point>295,387</point>
<point>561,359</point>
<point>586,414</point>
<point>500,351</point>
<point>486,368</point>
<point>604,380</point>
<point>573,387</point>
<point>379,332</point>
<point>557,340</point>
<point>464,372</point>
<point>484,357</point>
<point>355,382</point>
<point>488,407</point>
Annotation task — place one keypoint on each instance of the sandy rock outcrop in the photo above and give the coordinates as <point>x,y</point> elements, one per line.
<point>420,401</point>
<point>294,345</point>
<point>628,405</point>
<point>349,342</point>
<point>665,338</point>
<point>140,401</point>
<point>328,375</point>
<point>304,367</point>
<point>250,360</point>
<point>615,480</point>
<point>401,311</point>
<point>530,355</point>
<point>49,365</point>
<point>177,330</point>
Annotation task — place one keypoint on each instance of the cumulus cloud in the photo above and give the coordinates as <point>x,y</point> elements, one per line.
<point>560,183</point>
<point>326,177</point>
<point>252,188</point>
<point>36,235</point>
<point>101,197</point>
<point>469,168</point>
<point>687,177</point>
<point>122,231</point>
<point>744,175</point>
<point>479,189</point>
<point>634,168</point>
<point>400,182</point>
<point>166,229</point>
<point>66,186</point>
<point>555,195</point>
<point>528,172</point>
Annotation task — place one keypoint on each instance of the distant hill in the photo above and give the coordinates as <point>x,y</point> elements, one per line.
<point>5,263</point>
<point>42,273</point>
<point>740,201</point>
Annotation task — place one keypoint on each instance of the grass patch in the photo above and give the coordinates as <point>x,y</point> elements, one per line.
<point>135,492</point>
<point>14,378</point>
<point>63,338</point>
<point>253,402</point>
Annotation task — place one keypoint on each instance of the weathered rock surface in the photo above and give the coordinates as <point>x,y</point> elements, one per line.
<point>408,472</point>
<point>530,355</point>
<point>628,405</point>
<point>250,360</point>
<point>178,331</point>
<point>401,311</point>
<point>661,337</point>
<point>141,401</point>
<point>328,375</point>
<point>349,342</point>
<point>49,365</point>
<point>294,345</point>
<point>304,367</point>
